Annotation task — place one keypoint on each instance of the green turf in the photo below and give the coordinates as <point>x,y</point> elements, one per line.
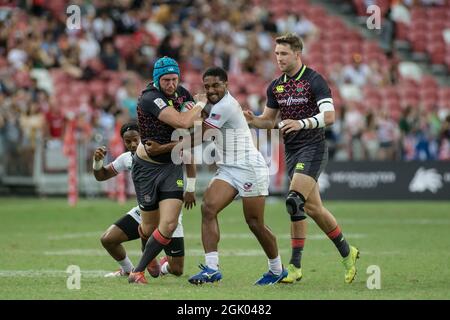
<point>409,241</point>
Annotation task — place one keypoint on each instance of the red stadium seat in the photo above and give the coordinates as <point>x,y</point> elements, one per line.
<point>401,31</point>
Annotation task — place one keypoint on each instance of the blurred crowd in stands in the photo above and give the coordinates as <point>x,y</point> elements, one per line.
<point>50,75</point>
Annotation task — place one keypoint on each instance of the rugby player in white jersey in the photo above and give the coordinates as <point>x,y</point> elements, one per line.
<point>126,228</point>
<point>242,171</point>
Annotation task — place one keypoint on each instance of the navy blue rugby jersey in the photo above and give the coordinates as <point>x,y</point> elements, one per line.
<point>150,104</point>
<point>297,97</point>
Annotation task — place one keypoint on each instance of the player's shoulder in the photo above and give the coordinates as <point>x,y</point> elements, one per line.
<point>276,82</point>
<point>229,102</point>
<point>182,91</point>
<point>150,93</point>
<point>312,75</point>
<point>126,156</point>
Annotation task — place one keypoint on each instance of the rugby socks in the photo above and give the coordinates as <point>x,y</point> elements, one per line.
<point>126,264</point>
<point>275,265</point>
<point>297,245</point>
<point>212,260</point>
<point>339,241</point>
<point>154,245</point>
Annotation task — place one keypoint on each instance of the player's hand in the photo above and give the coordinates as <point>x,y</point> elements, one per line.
<point>249,116</point>
<point>200,97</point>
<point>288,125</point>
<point>153,148</point>
<point>189,200</point>
<point>100,153</point>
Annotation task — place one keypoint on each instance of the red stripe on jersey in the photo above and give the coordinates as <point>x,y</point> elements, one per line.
<point>210,125</point>
<point>113,169</point>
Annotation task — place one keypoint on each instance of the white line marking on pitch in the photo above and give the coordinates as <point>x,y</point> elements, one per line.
<point>50,273</point>
<point>249,235</point>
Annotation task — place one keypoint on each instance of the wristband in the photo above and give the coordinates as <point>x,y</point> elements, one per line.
<point>200,104</point>
<point>302,124</point>
<point>190,184</point>
<point>97,165</point>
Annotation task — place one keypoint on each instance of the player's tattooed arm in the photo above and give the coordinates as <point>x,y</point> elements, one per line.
<point>101,172</point>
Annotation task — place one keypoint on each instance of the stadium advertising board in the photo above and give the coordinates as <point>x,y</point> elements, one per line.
<point>386,181</point>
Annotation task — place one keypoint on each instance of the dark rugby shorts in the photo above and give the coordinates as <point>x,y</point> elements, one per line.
<point>156,182</point>
<point>309,160</point>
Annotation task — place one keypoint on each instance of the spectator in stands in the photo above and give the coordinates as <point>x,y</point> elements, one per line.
<point>110,58</point>
<point>18,56</point>
<point>400,12</point>
<point>369,138</point>
<point>387,136</point>
<point>32,126</point>
<point>356,73</point>
<point>353,126</point>
<point>54,125</point>
<point>444,140</point>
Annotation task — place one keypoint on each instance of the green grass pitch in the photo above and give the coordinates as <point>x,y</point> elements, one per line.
<point>408,241</point>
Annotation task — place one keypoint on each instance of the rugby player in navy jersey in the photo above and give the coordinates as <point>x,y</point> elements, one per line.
<point>158,181</point>
<point>303,99</point>
<point>126,228</point>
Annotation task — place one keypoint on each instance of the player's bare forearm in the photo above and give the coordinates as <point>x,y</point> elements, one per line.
<point>191,170</point>
<point>101,173</point>
<point>264,121</point>
<point>104,174</point>
<point>329,117</point>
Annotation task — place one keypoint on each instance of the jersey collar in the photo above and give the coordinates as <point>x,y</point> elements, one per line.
<point>299,74</point>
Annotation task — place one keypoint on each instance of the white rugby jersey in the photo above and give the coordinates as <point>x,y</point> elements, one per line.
<point>122,162</point>
<point>235,146</point>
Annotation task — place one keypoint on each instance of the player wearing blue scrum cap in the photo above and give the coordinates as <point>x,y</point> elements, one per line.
<point>157,180</point>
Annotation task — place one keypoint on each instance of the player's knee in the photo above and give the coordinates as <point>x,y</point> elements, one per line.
<point>145,231</point>
<point>295,205</point>
<point>107,240</point>
<point>313,210</point>
<point>171,226</point>
<point>208,211</point>
<point>254,224</point>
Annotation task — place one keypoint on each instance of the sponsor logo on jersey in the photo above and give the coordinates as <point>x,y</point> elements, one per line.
<point>280,89</point>
<point>300,166</point>
<point>292,101</point>
<point>180,183</point>
<point>160,103</point>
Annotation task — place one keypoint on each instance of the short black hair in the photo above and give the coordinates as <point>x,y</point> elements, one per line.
<point>216,72</point>
<point>129,126</point>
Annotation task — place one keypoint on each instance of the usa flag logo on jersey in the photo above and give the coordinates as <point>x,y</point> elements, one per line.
<point>248,186</point>
<point>215,116</point>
